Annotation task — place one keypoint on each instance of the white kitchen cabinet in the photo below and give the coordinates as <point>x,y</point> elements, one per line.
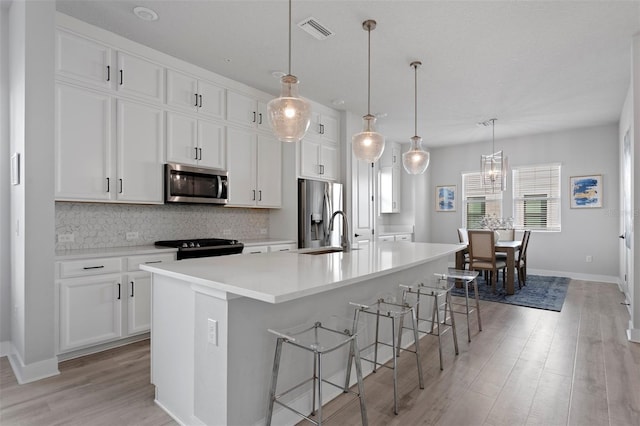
<point>138,302</point>
<point>319,159</point>
<point>325,126</point>
<point>386,238</point>
<point>195,95</point>
<point>254,163</point>
<point>83,144</point>
<point>139,77</point>
<point>246,110</point>
<point>83,59</point>
<point>195,142</point>
<point>390,173</point>
<point>140,151</point>
<point>404,237</point>
<point>283,247</point>
<point>255,249</point>
<point>90,311</point>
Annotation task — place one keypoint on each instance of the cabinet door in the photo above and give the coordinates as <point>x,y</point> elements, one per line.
<point>262,120</point>
<point>241,165</point>
<point>83,144</point>
<point>139,77</point>
<point>329,128</point>
<point>138,302</point>
<point>83,59</point>
<point>182,139</point>
<point>90,311</point>
<point>310,157</point>
<point>241,109</point>
<point>329,158</point>
<point>182,90</point>
<point>269,172</point>
<point>212,102</point>
<point>211,143</point>
<point>140,153</point>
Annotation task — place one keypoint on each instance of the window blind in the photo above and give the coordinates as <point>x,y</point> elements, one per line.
<point>536,197</point>
<point>477,201</point>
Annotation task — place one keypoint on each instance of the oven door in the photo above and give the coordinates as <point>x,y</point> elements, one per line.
<point>187,184</point>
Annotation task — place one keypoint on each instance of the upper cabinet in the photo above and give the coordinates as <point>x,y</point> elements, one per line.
<point>195,142</point>
<point>246,110</point>
<point>320,148</point>
<point>89,62</point>
<point>389,174</point>
<point>325,126</point>
<point>194,95</point>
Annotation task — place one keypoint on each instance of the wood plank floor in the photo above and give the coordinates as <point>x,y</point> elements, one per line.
<point>528,367</point>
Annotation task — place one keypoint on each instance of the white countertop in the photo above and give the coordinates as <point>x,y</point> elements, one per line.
<point>282,276</point>
<point>111,252</point>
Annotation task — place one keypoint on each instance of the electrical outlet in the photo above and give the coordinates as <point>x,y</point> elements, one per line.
<point>132,236</point>
<point>65,238</point>
<point>589,259</point>
<point>212,331</point>
<point>263,231</point>
<point>226,232</point>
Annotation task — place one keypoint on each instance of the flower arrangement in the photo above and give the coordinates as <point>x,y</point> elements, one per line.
<point>494,222</point>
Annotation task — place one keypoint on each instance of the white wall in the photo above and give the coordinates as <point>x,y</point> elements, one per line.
<point>634,325</point>
<point>31,57</point>
<point>5,265</point>
<point>592,232</point>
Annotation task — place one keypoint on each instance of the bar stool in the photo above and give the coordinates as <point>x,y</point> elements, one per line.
<point>386,307</point>
<point>320,338</point>
<point>440,290</point>
<point>466,278</point>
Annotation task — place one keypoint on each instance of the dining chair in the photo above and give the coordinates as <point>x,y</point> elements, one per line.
<point>463,237</point>
<point>521,265</point>
<point>482,255</point>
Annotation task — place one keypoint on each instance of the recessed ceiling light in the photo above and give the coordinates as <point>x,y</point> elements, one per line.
<point>227,60</point>
<point>145,13</point>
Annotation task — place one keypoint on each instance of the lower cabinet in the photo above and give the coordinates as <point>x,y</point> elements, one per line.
<point>269,248</point>
<point>96,307</point>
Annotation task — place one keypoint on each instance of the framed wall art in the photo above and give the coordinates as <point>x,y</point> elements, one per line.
<point>446,198</point>
<point>585,191</point>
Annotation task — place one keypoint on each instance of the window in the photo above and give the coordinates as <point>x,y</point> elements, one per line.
<point>536,197</point>
<point>478,203</point>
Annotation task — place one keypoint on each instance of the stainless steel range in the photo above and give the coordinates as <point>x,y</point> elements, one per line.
<point>205,247</point>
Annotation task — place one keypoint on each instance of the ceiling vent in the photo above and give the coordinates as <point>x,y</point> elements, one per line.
<point>315,28</point>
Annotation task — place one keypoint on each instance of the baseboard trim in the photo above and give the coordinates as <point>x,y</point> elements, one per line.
<point>575,275</point>
<point>103,347</point>
<point>27,373</point>
<point>633,334</point>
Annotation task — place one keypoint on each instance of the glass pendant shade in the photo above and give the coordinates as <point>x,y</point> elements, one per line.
<point>416,160</point>
<point>289,115</point>
<point>368,145</point>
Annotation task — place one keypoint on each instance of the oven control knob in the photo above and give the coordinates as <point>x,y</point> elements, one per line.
<point>197,244</point>
<point>185,245</point>
<point>191,244</point>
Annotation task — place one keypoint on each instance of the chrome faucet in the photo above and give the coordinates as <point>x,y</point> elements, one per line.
<point>344,240</point>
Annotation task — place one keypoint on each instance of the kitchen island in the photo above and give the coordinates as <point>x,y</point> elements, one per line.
<point>211,354</point>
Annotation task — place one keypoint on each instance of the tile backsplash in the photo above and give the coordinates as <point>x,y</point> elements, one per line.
<point>98,225</point>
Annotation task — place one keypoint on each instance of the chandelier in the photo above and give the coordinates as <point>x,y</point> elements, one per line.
<point>493,167</point>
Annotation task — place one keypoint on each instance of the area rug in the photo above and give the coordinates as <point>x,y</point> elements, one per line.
<point>541,292</point>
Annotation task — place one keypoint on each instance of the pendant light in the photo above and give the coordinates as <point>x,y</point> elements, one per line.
<point>368,144</point>
<point>493,167</point>
<point>416,160</point>
<point>289,114</point>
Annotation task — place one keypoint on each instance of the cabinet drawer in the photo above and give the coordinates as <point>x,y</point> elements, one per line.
<point>283,247</point>
<point>134,262</point>
<point>255,249</point>
<point>386,238</point>
<point>403,237</point>
<point>86,267</point>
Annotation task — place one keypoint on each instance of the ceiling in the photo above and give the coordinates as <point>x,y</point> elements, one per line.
<point>537,66</point>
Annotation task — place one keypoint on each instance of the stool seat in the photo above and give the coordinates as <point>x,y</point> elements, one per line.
<point>320,338</point>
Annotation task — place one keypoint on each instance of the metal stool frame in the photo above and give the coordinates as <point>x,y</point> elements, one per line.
<point>436,292</point>
<point>317,374</point>
<point>375,309</point>
<point>466,278</point>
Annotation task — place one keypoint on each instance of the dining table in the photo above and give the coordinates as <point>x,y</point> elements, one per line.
<point>509,248</point>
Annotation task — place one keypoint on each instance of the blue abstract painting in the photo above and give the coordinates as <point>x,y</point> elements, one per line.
<point>586,191</point>
<point>446,198</point>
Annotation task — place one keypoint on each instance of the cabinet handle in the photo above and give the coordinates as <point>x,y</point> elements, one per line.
<point>153,261</point>
<point>196,148</point>
<point>93,267</point>
<point>132,284</point>
<point>196,95</point>
<point>260,195</point>
<point>322,129</point>
<point>254,194</point>
<point>254,116</point>
<point>200,151</point>
<point>200,96</point>
<point>108,72</point>
<point>394,158</point>
<point>119,288</point>
<point>356,235</point>
<point>321,169</point>
<point>260,118</point>
<point>108,185</point>
<point>120,192</point>
<point>394,204</point>
<point>121,77</point>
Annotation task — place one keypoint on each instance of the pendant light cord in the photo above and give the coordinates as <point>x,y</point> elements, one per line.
<point>415,103</point>
<point>289,37</point>
<point>369,74</point>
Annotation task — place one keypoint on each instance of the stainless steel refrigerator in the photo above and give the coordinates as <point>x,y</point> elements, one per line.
<point>317,201</point>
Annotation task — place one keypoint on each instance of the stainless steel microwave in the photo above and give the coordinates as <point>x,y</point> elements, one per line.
<point>189,184</point>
